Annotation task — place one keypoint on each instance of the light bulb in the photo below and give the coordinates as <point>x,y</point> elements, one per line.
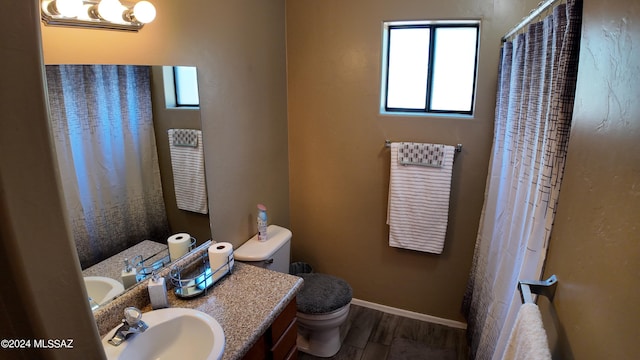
<point>85,14</point>
<point>69,8</point>
<point>111,10</point>
<point>144,12</point>
<point>45,6</point>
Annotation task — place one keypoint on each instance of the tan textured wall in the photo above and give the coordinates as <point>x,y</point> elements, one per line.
<point>196,224</point>
<point>339,168</point>
<point>37,254</point>
<point>239,50</point>
<point>595,245</point>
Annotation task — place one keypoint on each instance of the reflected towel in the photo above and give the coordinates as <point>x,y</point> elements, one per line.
<point>185,137</point>
<point>418,207</point>
<point>528,339</point>
<point>187,163</point>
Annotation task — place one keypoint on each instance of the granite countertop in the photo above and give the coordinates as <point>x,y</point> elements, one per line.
<point>245,303</point>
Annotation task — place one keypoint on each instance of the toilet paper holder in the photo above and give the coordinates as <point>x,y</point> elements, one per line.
<point>196,277</point>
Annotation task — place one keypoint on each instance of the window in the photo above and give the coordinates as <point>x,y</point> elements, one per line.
<point>429,67</point>
<point>181,86</point>
<point>186,81</point>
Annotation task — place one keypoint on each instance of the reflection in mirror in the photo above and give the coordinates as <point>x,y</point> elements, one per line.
<point>110,125</point>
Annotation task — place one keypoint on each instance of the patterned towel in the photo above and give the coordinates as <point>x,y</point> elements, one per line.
<point>187,163</point>
<point>418,207</point>
<point>410,153</point>
<point>185,137</point>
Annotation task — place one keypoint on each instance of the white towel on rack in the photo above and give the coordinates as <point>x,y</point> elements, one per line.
<point>528,339</point>
<point>187,163</point>
<point>418,206</point>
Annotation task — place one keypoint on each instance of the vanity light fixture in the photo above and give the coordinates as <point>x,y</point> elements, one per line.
<point>98,14</point>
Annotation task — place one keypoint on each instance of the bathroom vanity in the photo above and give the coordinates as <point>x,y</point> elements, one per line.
<point>279,341</point>
<point>255,307</point>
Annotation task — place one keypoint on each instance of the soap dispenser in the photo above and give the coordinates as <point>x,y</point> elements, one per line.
<point>128,275</point>
<point>158,292</point>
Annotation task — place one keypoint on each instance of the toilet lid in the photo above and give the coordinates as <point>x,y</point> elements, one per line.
<point>322,293</point>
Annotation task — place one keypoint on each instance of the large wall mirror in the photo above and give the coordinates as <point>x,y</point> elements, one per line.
<point>127,144</point>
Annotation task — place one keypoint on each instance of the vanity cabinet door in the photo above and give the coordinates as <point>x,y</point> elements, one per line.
<point>283,321</point>
<point>279,341</point>
<point>258,351</point>
<point>284,333</point>
<point>287,342</point>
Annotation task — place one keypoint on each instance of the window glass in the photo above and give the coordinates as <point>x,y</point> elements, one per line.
<point>186,82</point>
<point>454,68</point>
<point>408,68</point>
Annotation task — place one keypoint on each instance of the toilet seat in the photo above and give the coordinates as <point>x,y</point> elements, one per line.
<point>322,294</point>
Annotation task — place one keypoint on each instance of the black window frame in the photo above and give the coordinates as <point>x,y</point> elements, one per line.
<point>432,26</point>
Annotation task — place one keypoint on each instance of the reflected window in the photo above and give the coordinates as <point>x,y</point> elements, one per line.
<point>181,86</point>
<point>429,67</point>
<point>186,83</point>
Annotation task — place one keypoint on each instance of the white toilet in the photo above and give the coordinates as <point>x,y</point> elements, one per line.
<point>323,303</point>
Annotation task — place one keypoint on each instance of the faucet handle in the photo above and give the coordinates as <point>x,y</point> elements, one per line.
<point>132,315</point>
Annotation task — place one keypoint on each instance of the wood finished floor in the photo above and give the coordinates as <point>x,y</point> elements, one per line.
<point>368,333</point>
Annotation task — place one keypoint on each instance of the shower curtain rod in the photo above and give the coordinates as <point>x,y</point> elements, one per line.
<point>542,6</point>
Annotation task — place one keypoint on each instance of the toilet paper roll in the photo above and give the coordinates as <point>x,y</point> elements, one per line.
<point>178,245</point>
<point>219,254</point>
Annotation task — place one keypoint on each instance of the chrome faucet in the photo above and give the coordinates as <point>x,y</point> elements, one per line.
<point>94,305</point>
<point>131,324</point>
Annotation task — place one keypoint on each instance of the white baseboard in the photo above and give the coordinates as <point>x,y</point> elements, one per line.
<point>410,314</point>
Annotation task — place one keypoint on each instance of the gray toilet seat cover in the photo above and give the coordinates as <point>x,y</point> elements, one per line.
<point>322,293</point>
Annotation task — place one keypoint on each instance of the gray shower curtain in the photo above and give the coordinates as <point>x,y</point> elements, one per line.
<point>105,145</point>
<point>534,108</point>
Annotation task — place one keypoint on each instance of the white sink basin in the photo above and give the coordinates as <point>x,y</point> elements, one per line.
<point>102,289</point>
<point>173,333</point>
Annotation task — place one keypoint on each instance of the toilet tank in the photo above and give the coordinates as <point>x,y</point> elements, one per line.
<point>273,253</point>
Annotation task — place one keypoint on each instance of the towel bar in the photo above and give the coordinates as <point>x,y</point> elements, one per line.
<point>544,287</point>
<point>387,143</point>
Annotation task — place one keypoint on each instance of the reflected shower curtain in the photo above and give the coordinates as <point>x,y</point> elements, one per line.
<point>105,145</point>
<point>534,107</point>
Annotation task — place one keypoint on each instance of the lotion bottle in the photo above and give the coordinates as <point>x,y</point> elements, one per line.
<point>262,222</point>
<point>128,275</point>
